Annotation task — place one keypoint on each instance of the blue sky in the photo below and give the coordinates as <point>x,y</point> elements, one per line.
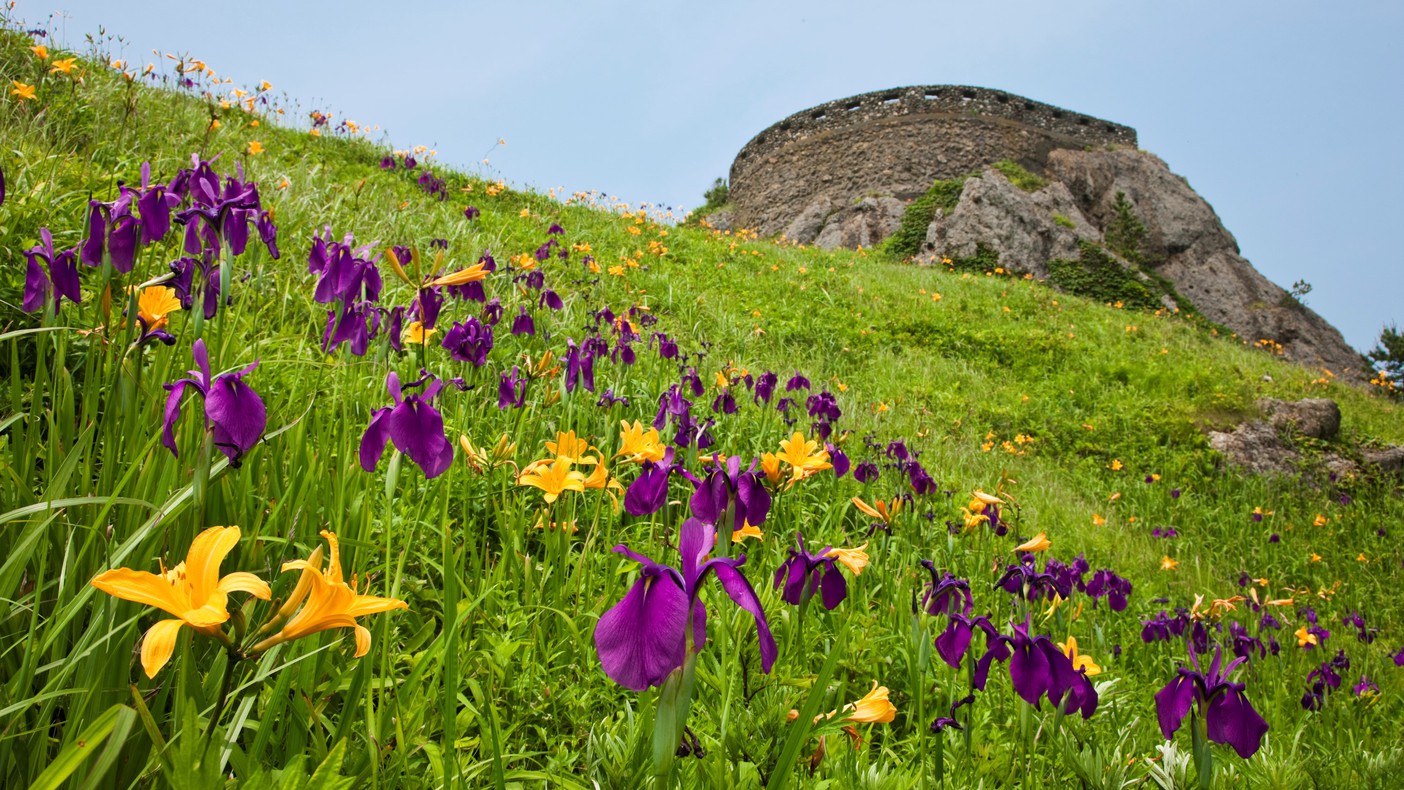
<point>1285,116</point>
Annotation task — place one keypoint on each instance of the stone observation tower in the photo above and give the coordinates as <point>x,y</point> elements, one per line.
<point>849,174</point>
<point>894,143</point>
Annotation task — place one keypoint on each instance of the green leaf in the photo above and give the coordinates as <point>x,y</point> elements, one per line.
<point>117,717</point>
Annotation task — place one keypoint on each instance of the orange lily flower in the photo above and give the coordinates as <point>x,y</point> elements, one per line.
<point>471,274</point>
<point>879,509</point>
<point>554,478</point>
<point>326,601</point>
<point>1039,542</point>
<point>193,591</point>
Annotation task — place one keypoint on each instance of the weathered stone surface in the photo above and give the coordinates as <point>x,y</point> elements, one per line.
<point>896,142</point>
<point>1317,418</point>
<point>1188,245</point>
<point>1390,459</point>
<point>1256,447</point>
<point>871,220</point>
<point>1019,225</point>
<point>722,219</point>
<point>807,224</point>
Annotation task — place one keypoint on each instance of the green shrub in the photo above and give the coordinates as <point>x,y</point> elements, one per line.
<point>1018,176</point>
<point>907,241</point>
<point>1096,275</point>
<point>1062,220</point>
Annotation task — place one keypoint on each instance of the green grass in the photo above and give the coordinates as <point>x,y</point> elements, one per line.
<point>490,677</point>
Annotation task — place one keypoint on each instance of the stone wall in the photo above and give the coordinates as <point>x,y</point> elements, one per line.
<point>895,143</point>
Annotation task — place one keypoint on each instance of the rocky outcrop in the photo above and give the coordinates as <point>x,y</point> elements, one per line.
<point>1274,446</point>
<point>1187,244</point>
<point>835,175</point>
<point>1021,226</point>
<point>1315,418</point>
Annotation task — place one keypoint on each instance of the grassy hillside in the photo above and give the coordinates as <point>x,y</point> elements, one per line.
<point>1087,420</point>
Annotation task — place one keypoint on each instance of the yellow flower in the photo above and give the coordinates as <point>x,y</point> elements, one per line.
<point>1079,660</point>
<point>471,274</point>
<point>1115,465</point>
<point>1305,637</point>
<point>1168,564</point>
<point>748,530</point>
<point>417,334</point>
<point>1098,520</point>
<point>64,66</point>
<point>1039,542</point>
<point>879,509</point>
<point>21,91</point>
<point>326,602</point>
<point>554,478</point>
<point>40,51</point>
<point>571,448</point>
<point>600,478</point>
<point>873,708</point>
<point>193,591</point>
<point>255,148</point>
<point>1320,521</point>
<point>638,445</point>
<point>855,559</point>
<point>804,457</point>
<point>1315,557</point>
<point>154,304</point>
<point>770,465</point>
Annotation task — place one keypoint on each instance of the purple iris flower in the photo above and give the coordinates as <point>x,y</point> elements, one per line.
<point>667,347</point>
<point>112,232</point>
<point>943,722</point>
<point>522,324</point>
<point>60,281</point>
<point>267,232</point>
<point>471,213</point>
<point>1399,658</point>
<point>1028,582</point>
<point>644,638</point>
<point>196,275</point>
<point>387,163</point>
<point>765,387</point>
<point>802,574</point>
<point>838,458</point>
<point>728,484</point>
<point>580,367</point>
<point>1107,584</point>
<point>946,594</point>
<point>413,424</point>
<point>609,399</point>
<point>866,472</point>
<point>342,274</point>
<point>224,214</point>
<point>1244,645</point>
<point>1037,668</point>
<point>492,312</point>
<point>921,480</point>
<point>233,411</point>
<point>511,390</point>
<point>357,323</point>
<point>1163,627</point>
<point>1229,717</point>
<point>555,230</point>
<point>724,403</point>
<point>797,382</point>
<point>155,202</point>
<point>469,341</point>
<point>649,491</point>
<point>1365,686</point>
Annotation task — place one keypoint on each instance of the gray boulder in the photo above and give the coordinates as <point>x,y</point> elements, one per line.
<point>1019,225</point>
<point>863,224</point>
<point>1256,447</point>
<point>1317,418</point>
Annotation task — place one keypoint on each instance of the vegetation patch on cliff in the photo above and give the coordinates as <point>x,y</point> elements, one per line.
<point>907,241</point>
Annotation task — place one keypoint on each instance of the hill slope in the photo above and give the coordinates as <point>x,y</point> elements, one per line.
<point>1086,419</point>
